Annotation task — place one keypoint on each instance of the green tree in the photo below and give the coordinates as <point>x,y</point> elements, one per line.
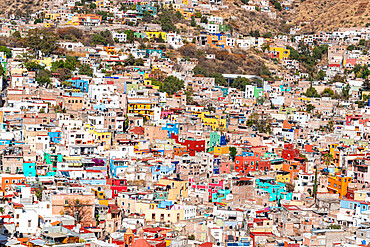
<point>37,21</point>
<point>267,35</point>
<point>104,15</point>
<point>147,17</point>
<point>192,22</point>
<point>130,35</point>
<point>310,108</point>
<point>166,21</point>
<point>43,77</point>
<point>17,35</point>
<point>312,92</point>
<point>321,75</point>
<point>240,83</point>
<point>178,15</point>
<point>345,91</point>
<point>314,192</point>
<point>41,40</point>
<point>130,60</point>
<point>32,66</point>
<point>85,69</point>
<point>351,47</point>
<point>327,159</point>
<point>172,84</point>
<point>99,40</point>
<point>327,93</point>
<point>160,39</point>
<point>2,71</point>
<point>6,50</point>
<point>232,152</point>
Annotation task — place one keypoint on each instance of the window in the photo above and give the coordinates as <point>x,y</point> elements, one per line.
<point>29,223</point>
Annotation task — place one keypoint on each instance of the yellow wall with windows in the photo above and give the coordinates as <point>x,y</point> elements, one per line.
<point>283,53</point>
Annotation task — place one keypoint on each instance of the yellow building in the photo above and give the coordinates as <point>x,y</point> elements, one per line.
<point>281,51</point>
<point>99,4</point>
<point>103,137</point>
<point>283,177</point>
<point>216,122</point>
<point>100,195</point>
<point>178,188</point>
<point>361,195</point>
<point>221,150</point>
<point>73,161</point>
<point>144,108</point>
<point>153,212</point>
<point>52,16</point>
<point>156,35</point>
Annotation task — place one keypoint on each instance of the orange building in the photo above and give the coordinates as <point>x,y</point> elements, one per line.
<point>293,167</point>
<point>180,150</point>
<point>7,180</point>
<point>110,49</point>
<point>220,41</point>
<point>339,185</point>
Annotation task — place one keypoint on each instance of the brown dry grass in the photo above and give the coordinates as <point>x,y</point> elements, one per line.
<point>329,15</point>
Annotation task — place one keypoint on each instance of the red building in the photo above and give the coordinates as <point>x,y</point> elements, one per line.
<point>192,145</point>
<point>289,153</point>
<point>246,164</point>
<point>264,165</point>
<point>117,186</point>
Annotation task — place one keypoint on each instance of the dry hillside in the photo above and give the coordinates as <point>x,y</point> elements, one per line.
<point>20,7</point>
<point>245,21</point>
<point>329,15</point>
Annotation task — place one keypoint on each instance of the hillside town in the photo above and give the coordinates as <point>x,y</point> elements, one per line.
<point>142,123</point>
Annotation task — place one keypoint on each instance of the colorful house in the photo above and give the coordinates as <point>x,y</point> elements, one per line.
<point>279,52</point>
<point>219,40</point>
<point>339,185</point>
<point>275,190</point>
<point>141,107</point>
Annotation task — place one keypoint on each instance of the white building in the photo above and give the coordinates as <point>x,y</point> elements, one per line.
<point>120,36</point>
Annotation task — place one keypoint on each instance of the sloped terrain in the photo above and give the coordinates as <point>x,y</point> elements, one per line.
<point>20,7</point>
<point>329,15</point>
<point>244,21</point>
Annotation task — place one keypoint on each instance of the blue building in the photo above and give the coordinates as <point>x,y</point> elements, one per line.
<point>172,129</point>
<point>148,52</point>
<point>82,85</point>
<point>275,190</point>
<point>141,8</point>
<point>29,169</point>
<point>355,205</point>
<point>118,166</point>
<point>55,136</point>
<point>216,165</point>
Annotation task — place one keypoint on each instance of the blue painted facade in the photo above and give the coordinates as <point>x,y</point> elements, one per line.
<point>216,166</point>
<point>275,189</point>
<point>114,165</point>
<point>354,205</point>
<point>172,129</point>
<point>83,85</point>
<point>55,137</point>
<point>29,169</point>
<point>99,107</point>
